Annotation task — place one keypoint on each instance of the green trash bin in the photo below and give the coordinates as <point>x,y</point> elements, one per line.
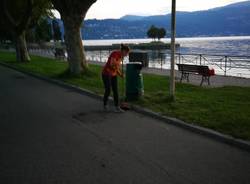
<point>134,81</point>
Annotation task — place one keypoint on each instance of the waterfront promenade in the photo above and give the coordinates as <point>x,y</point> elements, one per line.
<point>216,81</point>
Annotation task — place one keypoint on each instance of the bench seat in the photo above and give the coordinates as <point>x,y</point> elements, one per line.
<point>202,70</point>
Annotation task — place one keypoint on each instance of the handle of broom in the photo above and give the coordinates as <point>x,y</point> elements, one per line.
<point>123,87</point>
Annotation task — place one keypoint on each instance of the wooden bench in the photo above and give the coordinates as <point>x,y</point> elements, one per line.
<point>196,69</point>
<point>59,53</point>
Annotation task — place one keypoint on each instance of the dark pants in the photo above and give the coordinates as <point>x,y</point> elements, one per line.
<point>110,82</point>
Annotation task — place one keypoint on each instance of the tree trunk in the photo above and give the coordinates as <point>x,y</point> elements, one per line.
<point>22,54</point>
<point>76,55</point>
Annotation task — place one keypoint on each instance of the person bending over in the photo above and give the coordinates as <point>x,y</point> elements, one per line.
<point>109,76</point>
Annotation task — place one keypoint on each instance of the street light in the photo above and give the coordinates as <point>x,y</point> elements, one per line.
<point>173,32</point>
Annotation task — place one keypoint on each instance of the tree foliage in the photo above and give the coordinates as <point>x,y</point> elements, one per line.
<point>152,32</point>
<point>57,34</point>
<point>18,16</point>
<point>41,32</point>
<point>76,9</point>
<point>161,33</point>
<point>5,35</point>
<point>155,32</point>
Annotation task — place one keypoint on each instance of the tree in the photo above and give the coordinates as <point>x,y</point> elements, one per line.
<point>18,16</point>
<point>152,32</point>
<point>161,33</point>
<point>43,30</point>
<point>57,35</point>
<point>4,35</point>
<point>155,32</point>
<point>73,13</point>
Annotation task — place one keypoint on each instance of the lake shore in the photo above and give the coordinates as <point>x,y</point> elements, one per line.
<point>216,81</point>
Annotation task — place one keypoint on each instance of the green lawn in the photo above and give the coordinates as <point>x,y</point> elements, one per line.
<point>225,109</point>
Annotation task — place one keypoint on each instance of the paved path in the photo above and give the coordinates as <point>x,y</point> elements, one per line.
<point>53,135</point>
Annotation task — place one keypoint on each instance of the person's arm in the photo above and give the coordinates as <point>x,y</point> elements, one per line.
<point>115,65</point>
<point>120,73</point>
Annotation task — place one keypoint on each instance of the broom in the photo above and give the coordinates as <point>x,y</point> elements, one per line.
<point>124,105</point>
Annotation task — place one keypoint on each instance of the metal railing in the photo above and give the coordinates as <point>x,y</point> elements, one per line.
<point>223,64</point>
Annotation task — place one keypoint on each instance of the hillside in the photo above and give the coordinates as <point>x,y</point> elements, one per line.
<point>223,21</point>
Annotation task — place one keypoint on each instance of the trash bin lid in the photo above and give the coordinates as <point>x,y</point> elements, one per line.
<point>138,51</point>
<point>134,63</point>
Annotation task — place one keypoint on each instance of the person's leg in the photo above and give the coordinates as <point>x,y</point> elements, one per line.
<point>114,85</point>
<point>107,84</point>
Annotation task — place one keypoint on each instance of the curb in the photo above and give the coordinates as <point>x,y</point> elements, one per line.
<point>245,145</point>
<point>239,143</point>
<point>54,81</point>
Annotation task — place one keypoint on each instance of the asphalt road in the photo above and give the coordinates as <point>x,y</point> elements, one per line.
<point>53,135</point>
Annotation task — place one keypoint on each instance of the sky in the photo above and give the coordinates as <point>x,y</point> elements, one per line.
<point>103,9</point>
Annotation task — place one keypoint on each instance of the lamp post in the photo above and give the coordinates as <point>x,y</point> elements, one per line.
<point>173,34</point>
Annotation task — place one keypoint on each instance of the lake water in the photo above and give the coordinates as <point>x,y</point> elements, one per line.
<point>235,45</point>
<point>224,46</point>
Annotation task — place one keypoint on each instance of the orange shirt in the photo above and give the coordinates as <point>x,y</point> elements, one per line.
<point>112,67</point>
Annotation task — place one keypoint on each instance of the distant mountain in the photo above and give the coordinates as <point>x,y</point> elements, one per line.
<point>132,17</point>
<point>233,19</point>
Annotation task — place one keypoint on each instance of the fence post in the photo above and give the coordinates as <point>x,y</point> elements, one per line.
<point>179,55</point>
<point>161,61</point>
<point>225,71</point>
<point>200,58</point>
<point>100,56</point>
